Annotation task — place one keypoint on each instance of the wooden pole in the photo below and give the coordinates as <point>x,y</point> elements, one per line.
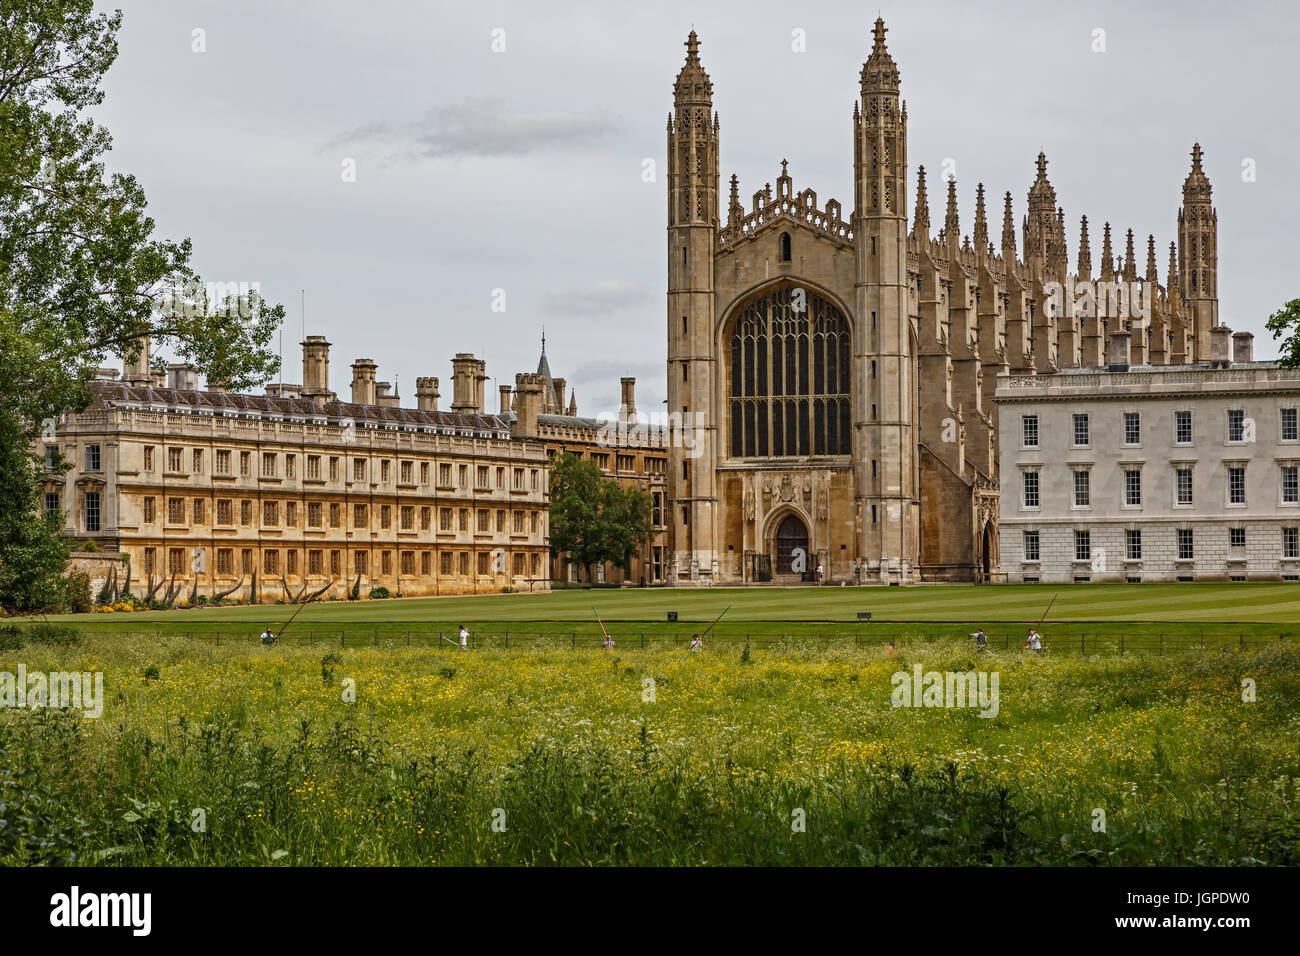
<point>716,620</point>
<point>1049,607</point>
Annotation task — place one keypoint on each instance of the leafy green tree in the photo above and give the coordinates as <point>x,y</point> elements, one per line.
<point>593,519</point>
<point>1286,321</point>
<point>82,277</point>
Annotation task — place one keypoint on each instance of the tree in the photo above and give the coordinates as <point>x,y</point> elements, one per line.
<point>81,275</point>
<point>1287,320</point>
<point>593,518</point>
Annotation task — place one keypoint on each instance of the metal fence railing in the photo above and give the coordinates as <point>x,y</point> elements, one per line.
<point>1078,643</point>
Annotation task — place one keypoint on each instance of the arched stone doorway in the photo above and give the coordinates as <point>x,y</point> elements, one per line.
<point>986,552</point>
<point>791,538</point>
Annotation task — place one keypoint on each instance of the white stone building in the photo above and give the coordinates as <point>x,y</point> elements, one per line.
<point>1152,473</point>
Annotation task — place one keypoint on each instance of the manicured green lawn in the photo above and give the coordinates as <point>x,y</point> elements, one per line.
<point>1217,612</point>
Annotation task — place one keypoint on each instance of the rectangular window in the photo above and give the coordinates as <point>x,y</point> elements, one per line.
<point>92,510</point>
<point>444,476</point>
<point>424,472</point>
<point>291,514</point>
<point>1183,428</point>
<point>408,562</point>
<point>223,463</point>
<point>444,519</point>
<point>335,513</point>
<point>484,520</point>
<point>383,470</point>
<point>533,518</point>
<point>175,560</point>
<point>1133,545</point>
<point>358,469</point>
<point>464,519</point>
<point>519,522</point>
<point>1290,484</point>
<point>336,562</point>
<point>358,516</point>
<point>1236,486</point>
<point>225,516</point>
<point>175,510</point>
<point>313,514</point>
<point>481,477</point>
<point>334,469</point>
<point>385,517</point>
<point>1133,487</point>
<point>245,513</point>
<point>150,514</point>
<point>245,462</point>
<point>1132,428</point>
<point>463,479</point>
<point>1184,476</point>
<point>1236,425</point>
<point>361,562</point>
<point>1236,537</point>
<point>1031,491</point>
<point>426,518</point>
<point>148,457</point>
<point>483,558</point>
<point>519,564</point>
<point>426,563</point>
<point>291,562</point>
<point>1029,431</point>
<point>225,561</point>
<point>290,466</point>
<point>501,478</point>
<point>150,559</point>
<point>408,517</point>
<point>270,514</point>
<point>1083,546</point>
<point>92,458</point>
<point>315,561</point>
<point>444,562</point>
<point>463,564</point>
<point>175,460</point>
<point>198,461</point>
<point>271,561</point>
<point>1080,430</point>
<point>1291,542</point>
<point>519,479</point>
<point>1185,549</point>
<point>198,510</point>
<point>1290,429</point>
<point>313,467</point>
<point>386,562</point>
<point>1082,495</point>
<point>408,472</point>
<point>1031,545</point>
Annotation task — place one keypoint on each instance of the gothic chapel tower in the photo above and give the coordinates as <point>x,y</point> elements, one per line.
<point>692,230</point>
<point>884,409</point>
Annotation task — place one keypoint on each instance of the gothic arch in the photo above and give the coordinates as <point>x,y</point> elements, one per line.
<point>787,361</point>
<point>742,299</point>
<point>772,527</point>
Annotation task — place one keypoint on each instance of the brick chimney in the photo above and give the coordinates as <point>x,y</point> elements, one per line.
<point>1243,347</point>
<point>504,392</point>
<point>138,372</point>
<point>363,381</point>
<point>426,394</point>
<point>627,408</point>
<point>528,400</point>
<point>182,377</point>
<point>467,377</point>
<point>1220,346</point>
<point>316,368</point>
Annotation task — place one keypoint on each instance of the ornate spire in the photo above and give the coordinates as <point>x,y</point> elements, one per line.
<point>1153,274</point>
<point>1085,253</point>
<point>1040,223</point>
<point>981,221</point>
<point>1130,261</point>
<point>921,218</point>
<point>951,224</point>
<point>1196,187</point>
<point>1171,280</point>
<point>1107,256</point>
<point>693,87</point>
<point>1059,253</point>
<point>880,72</point>
<point>1008,229</point>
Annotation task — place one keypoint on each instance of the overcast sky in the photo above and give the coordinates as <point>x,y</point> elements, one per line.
<point>521,170</point>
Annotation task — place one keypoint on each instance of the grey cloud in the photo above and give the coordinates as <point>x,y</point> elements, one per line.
<point>598,298</point>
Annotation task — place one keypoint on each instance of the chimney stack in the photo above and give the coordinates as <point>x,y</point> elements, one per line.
<point>627,408</point>
<point>558,384</point>
<point>426,394</point>
<point>528,399</point>
<point>138,373</point>
<point>385,396</point>
<point>363,382</point>
<point>182,377</point>
<point>504,392</point>
<point>316,368</point>
<point>1117,354</point>
<point>1220,346</point>
<point>1243,347</point>
<point>467,377</point>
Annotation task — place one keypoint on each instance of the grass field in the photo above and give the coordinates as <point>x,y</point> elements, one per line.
<point>791,755</point>
<point>1179,612</point>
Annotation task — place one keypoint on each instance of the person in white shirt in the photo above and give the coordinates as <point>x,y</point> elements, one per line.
<point>697,642</point>
<point>1035,642</point>
<point>464,638</point>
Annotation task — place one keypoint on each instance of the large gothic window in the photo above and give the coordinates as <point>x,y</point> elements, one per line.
<point>790,377</point>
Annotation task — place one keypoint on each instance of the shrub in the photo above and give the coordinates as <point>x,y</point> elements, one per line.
<point>77,590</point>
<point>151,672</point>
<point>327,667</point>
<point>91,547</point>
<point>379,593</point>
<point>11,638</point>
